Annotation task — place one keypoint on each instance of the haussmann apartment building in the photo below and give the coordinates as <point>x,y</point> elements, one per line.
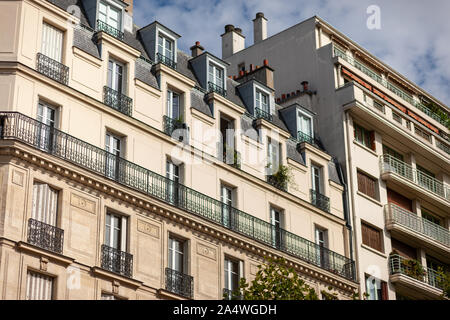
<point>390,137</point>
<point>119,178</point>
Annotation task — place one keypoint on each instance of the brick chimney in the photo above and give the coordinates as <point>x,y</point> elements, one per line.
<point>263,74</point>
<point>232,41</point>
<point>196,49</point>
<point>259,28</point>
<point>129,9</point>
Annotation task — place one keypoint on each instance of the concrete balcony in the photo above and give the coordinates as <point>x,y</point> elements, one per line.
<point>417,283</point>
<point>410,228</point>
<point>414,181</point>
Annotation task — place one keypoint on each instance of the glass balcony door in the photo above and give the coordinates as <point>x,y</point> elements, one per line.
<point>110,15</point>
<point>48,116</point>
<point>173,175</point>
<point>113,147</point>
<point>165,47</point>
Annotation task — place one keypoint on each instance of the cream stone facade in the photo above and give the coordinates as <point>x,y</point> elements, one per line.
<point>393,145</point>
<point>113,175</point>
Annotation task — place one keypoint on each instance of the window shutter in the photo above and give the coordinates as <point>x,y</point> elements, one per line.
<point>52,42</point>
<point>384,291</point>
<point>123,236</point>
<point>372,140</point>
<point>45,204</point>
<point>39,287</point>
<point>241,269</point>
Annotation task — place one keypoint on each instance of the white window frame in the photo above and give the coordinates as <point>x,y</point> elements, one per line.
<point>165,38</point>
<point>42,114</point>
<point>112,75</point>
<point>227,197</point>
<point>272,154</point>
<point>170,105</point>
<point>52,42</point>
<point>258,100</point>
<point>215,68</point>
<point>372,287</point>
<point>319,170</point>
<point>122,223</point>
<point>277,222</point>
<point>39,286</point>
<point>304,115</point>
<point>109,7</point>
<point>172,252</point>
<point>45,203</point>
<point>228,271</point>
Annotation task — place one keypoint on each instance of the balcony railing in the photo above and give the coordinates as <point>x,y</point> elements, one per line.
<point>170,125</point>
<point>262,114</point>
<point>303,137</point>
<point>52,69</point>
<point>400,93</point>
<point>443,147</point>
<point>45,236</point>
<point>231,294</point>
<point>117,261</point>
<point>166,61</point>
<point>117,101</point>
<point>19,127</point>
<point>396,214</point>
<point>116,33</point>
<point>400,265</point>
<point>320,201</point>
<point>389,163</point>
<point>274,181</point>
<point>179,283</point>
<point>212,87</point>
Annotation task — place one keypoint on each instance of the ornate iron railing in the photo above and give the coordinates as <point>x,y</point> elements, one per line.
<point>212,87</point>
<point>116,33</point>
<point>400,93</point>
<point>399,264</point>
<point>228,294</point>
<point>170,125</point>
<point>389,163</point>
<point>117,261</point>
<point>303,137</point>
<point>320,201</point>
<point>52,69</point>
<point>45,236</point>
<point>262,114</point>
<point>179,283</point>
<point>117,101</point>
<point>19,127</point>
<point>396,214</point>
<point>166,61</point>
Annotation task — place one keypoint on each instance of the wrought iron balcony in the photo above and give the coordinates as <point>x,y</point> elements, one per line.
<point>261,114</point>
<point>179,283</point>
<point>390,164</point>
<point>320,201</point>
<point>396,214</point>
<point>401,265</point>
<point>212,87</point>
<point>117,101</point>
<point>45,236</point>
<point>277,183</point>
<point>16,126</point>
<point>117,261</point>
<point>303,137</point>
<point>231,294</point>
<point>52,69</point>
<point>397,91</point>
<point>116,33</point>
<point>170,125</point>
<point>166,61</point>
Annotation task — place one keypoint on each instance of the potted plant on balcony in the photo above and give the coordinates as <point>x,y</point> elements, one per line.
<point>443,278</point>
<point>413,268</point>
<point>281,178</point>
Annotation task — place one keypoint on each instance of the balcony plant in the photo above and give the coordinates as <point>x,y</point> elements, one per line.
<point>227,149</point>
<point>413,268</point>
<point>282,177</point>
<point>443,278</point>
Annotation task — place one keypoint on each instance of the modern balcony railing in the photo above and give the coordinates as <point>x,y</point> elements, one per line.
<point>16,126</point>
<point>303,137</point>
<point>170,125</point>
<point>231,294</point>
<point>166,61</point>
<point>117,261</point>
<point>52,69</point>
<point>399,265</point>
<point>389,163</point>
<point>443,147</point>
<point>262,114</point>
<point>320,201</point>
<point>396,214</point>
<point>117,101</point>
<point>400,93</point>
<point>179,283</point>
<point>45,236</point>
<point>212,87</point>
<point>116,33</point>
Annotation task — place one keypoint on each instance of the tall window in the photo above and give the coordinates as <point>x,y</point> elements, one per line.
<point>165,47</point>
<point>367,185</point>
<point>173,174</point>
<point>227,203</point>
<point>113,145</point>
<point>304,124</point>
<point>48,115</point>
<point>52,42</point>
<point>321,236</point>
<point>262,101</point>
<point>177,255</point>
<point>173,105</point>
<point>216,75</point>
<point>115,75</point>
<point>372,237</point>
<point>45,203</point>
<point>365,137</point>
<point>233,273</point>
<point>316,176</point>
<point>273,156</point>
<point>116,231</point>
<point>39,286</point>
<point>110,15</point>
<point>276,217</point>
<point>376,289</point>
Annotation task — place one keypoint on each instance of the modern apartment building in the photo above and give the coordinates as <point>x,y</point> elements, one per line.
<point>120,177</point>
<point>389,135</point>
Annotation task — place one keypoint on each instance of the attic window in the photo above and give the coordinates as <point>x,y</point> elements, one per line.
<point>216,79</point>
<point>110,20</point>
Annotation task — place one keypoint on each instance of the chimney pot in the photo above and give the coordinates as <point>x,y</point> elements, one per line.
<point>251,67</point>
<point>196,49</point>
<point>228,28</point>
<point>241,73</point>
<point>238,30</point>
<point>283,96</point>
<point>305,85</point>
<point>266,62</point>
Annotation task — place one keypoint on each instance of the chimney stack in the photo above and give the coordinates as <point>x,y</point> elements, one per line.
<point>196,49</point>
<point>129,9</point>
<point>259,28</point>
<point>263,74</point>
<point>232,41</point>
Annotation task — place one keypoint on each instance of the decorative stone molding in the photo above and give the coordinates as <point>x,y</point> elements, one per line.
<point>82,203</point>
<point>148,228</point>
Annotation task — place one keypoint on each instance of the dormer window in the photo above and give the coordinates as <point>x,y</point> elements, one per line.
<point>304,125</point>
<point>165,50</point>
<point>110,20</point>
<point>216,77</point>
<point>262,101</point>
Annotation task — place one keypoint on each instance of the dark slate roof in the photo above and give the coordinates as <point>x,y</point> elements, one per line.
<point>65,4</point>
<point>293,153</point>
<point>198,102</point>
<point>247,127</point>
<point>276,119</point>
<point>133,40</point>
<point>233,93</point>
<point>143,73</point>
<point>82,39</point>
<point>332,173</point>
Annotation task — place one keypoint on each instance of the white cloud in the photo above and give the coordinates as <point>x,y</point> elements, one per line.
<point>413,39</point>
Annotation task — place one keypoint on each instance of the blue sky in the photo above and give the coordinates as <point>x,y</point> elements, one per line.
<point>414,37</point>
